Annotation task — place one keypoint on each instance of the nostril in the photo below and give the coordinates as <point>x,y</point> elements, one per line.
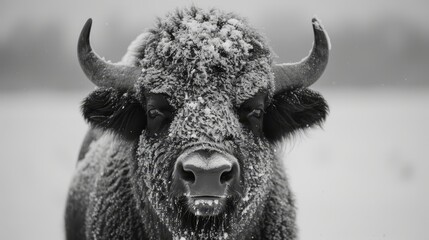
<point>187,176</point>
<point>227,176</point>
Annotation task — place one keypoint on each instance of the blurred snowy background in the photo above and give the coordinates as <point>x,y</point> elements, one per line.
<point>364,176</point>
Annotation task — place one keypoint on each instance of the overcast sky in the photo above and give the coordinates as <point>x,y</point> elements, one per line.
<point>367,35</point>
<point>333,12</point>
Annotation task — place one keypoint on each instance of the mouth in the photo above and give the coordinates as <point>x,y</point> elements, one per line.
<point>206,205</point>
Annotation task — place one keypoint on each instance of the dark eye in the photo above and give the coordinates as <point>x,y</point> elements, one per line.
<point>153,113</point>
<point>158,120</point>
<point>257,113</point>
<point>159,114</point>
<point>252,118</point>
<point>251,113</point>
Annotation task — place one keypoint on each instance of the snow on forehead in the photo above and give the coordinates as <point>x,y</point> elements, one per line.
<point>197,52</point>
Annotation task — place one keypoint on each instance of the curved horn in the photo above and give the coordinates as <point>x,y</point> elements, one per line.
<point>309,69</point>
<point>99,71</point>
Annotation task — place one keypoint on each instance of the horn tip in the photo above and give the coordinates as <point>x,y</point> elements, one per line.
<point>88,24</point>
<point>86,29</point>
<point>320,32</point>
<point>83,43</point>
<point>317,24</point>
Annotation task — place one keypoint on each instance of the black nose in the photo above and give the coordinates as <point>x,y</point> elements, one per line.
<point>207,172</point>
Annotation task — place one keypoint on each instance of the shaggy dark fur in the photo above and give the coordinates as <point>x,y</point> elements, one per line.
<point>117,111</point>
<point>292,110</point>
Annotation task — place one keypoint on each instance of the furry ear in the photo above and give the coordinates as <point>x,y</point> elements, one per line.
<point>292,110</point>
<point>120,112</point>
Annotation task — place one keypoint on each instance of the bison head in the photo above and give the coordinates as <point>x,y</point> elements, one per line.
<point>202,102</point>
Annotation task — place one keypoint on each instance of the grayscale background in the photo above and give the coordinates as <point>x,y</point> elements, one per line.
<point>364,176</point>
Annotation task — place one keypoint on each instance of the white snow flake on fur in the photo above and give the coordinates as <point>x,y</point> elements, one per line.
<point>208,49</point>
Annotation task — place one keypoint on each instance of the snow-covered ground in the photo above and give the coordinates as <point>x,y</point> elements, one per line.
<point>364,176</point>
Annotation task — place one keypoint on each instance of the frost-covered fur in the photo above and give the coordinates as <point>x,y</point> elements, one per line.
<point>206,64</point>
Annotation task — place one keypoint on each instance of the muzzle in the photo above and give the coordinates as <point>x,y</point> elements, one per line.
<point>207,175</point>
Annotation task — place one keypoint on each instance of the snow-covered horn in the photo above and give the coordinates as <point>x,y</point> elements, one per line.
<point>309,69</point>
<point>99,71</point>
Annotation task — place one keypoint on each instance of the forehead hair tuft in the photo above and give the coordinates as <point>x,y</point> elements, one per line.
<point>202,48</point>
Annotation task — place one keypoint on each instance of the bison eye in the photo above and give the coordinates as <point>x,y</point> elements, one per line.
<point>153,113</point>
<point>257,113</point>
<point>158,120</point>
<point>159,114</point>
<point>251,113</point>
<point>252,119</point>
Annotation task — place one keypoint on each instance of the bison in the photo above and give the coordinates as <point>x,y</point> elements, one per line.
<point>184,131</point>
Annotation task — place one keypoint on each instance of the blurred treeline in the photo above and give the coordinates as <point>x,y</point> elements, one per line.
<point>388,52</point>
